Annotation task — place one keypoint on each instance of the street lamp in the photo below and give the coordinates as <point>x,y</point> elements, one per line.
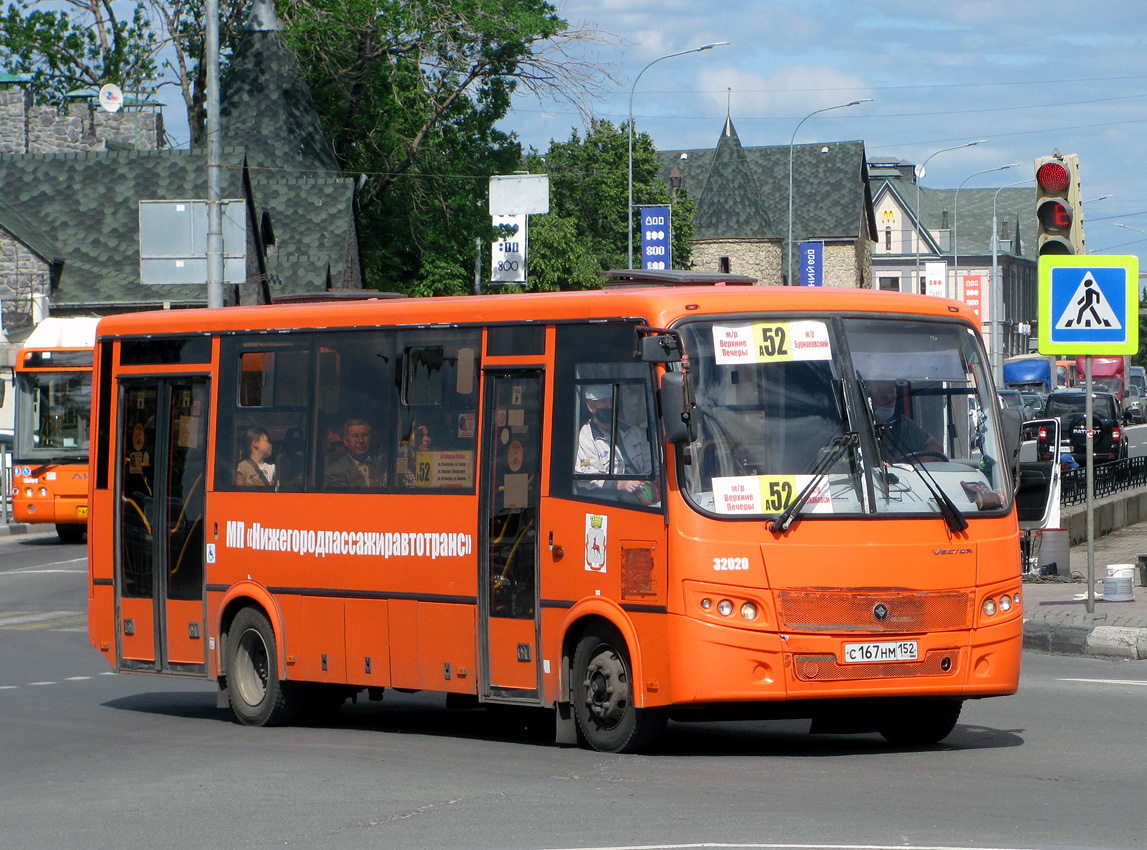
<point>997,338</point>
<point>633,88</point>
<point>1129,227</point>
<point>956,220</point>
<point>920,171</point>
<point>792,142</point>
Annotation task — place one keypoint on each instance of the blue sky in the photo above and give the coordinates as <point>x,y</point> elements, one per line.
<point>1028,76</point>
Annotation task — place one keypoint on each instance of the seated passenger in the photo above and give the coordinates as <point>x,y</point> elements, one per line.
<point>359,467</point>
<point>420,441</point>
<point>253,470</point>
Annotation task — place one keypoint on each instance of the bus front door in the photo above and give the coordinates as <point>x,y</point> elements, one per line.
<point>162,451</point>
<point>508,606</point>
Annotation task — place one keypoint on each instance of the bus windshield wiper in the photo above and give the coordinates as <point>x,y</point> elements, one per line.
<point>790,514</point>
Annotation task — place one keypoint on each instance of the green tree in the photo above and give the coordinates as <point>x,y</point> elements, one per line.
<point>96,42</point>
<point>410,93</point>
<point>585,231</point>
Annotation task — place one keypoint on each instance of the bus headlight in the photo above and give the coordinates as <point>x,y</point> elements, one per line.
<point>725,607</point>
<point>43,492</point>
<point>1005,603</point>
<point>989,606</point>
<point>706,603</point>
<point>749,611</point>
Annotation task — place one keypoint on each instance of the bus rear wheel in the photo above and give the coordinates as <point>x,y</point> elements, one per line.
<point>257,696</point>
<point>604,696</point>
<point>917,722</point>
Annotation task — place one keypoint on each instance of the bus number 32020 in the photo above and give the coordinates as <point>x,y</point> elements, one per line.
<point>730,563</point>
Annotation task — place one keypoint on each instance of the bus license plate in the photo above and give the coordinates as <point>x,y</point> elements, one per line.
<point>900,650</point>
<point>82,512</point>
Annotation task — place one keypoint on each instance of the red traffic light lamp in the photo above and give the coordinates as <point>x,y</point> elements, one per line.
<point>1058,211</point>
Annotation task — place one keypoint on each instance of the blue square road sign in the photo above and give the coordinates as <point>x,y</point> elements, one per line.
<point>1088,304</point>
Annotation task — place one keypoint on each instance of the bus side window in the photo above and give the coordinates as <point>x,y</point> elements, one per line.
<point>267,390</point>
<point>604,447</point>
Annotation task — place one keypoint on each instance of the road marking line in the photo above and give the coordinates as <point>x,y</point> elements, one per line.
<point>1107,681</point>
<point>24,618</point>
<point>725,846</point>
<point>77,678</point>
<point>37,684</point>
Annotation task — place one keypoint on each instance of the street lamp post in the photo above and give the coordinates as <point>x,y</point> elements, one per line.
<point>956,222</point>
<point>997,338</point>
<point>920,170</point>
<point>633,88</point>
<point>792,142</point>
<point>1142,292</point>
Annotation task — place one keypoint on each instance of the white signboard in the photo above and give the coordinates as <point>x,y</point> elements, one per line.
<point>936,279</point>
<point>508,263</point>
<point>520,194</point>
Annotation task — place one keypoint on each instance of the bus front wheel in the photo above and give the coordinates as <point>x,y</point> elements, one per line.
<point>604,696</point>
<point>257,696</point>
<point>916,722</point>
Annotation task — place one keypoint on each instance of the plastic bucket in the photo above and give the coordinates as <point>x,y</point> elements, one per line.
<point>1117,586</point>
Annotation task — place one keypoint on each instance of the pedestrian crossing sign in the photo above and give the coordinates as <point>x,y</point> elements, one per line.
<point>1088,304</point>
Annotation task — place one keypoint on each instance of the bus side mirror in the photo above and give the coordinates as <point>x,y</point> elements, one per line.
<point>661,348</point>
<point>676,417</point>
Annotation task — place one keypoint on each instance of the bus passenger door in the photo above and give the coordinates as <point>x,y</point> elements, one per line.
<point>161,481</point>
<point>508,606</point>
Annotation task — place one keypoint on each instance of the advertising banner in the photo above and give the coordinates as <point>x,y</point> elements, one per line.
<point>655,238</point>
<point>812,264</point>
<point>936,279</point>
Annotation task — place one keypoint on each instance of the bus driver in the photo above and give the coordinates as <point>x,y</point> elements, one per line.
<point>594,447</point>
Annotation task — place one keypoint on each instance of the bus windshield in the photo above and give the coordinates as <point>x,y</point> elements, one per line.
<point>837,413</point>
<point>54,412</point>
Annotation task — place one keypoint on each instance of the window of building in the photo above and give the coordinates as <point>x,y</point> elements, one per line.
<point>724,266</point>
<point>890,284</point>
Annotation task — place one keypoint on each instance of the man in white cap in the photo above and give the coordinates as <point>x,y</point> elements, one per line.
<point>594,448</point>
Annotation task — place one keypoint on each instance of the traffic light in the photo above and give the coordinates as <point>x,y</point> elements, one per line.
<point>1059,213</point>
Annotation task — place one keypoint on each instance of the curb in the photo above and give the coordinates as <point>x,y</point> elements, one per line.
<point>1072,639</point>
<point>13,528</point>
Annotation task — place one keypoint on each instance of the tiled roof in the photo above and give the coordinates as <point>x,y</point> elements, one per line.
<point>265,106</point>
<point>731,203</point>
<point>29,232</point>
<point>831,198</point>
<point>90,203</point>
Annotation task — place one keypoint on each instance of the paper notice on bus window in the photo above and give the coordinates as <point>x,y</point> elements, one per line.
<point>771,342</point>
<point>768,494</point>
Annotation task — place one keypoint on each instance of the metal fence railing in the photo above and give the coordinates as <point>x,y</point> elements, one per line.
<point>1109,478</point>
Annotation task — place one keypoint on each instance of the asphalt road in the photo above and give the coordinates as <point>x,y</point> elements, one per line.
<point>95,760</point>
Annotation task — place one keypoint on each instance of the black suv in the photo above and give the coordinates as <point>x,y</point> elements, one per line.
<point>1109,441</point>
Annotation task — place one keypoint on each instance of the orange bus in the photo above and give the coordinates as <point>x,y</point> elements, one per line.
<point>624,506</point>
<point>50,455</point>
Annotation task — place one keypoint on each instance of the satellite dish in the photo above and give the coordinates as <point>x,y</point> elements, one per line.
<point>111,98</point>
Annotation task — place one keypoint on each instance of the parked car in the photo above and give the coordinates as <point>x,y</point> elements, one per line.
<point>1134,405</point>
<point>1069,407</point>
<point>1035,402</point>
<point>1013,399</point>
